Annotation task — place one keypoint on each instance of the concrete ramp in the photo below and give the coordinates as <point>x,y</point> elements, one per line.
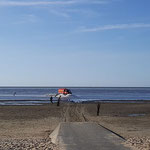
<point>86,136</point>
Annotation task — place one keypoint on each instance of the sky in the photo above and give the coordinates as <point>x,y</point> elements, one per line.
<point>104,43</point>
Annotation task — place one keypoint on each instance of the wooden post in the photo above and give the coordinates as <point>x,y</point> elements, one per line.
<point>98,108</point>
<point>58,102</point>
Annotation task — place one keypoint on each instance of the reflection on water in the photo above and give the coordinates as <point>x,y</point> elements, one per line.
<point>135,115</point>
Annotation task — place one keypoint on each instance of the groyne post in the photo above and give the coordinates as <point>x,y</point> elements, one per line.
<point>98,108</point>
<point>58,102</point>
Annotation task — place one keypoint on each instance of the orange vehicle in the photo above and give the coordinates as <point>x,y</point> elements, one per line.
<point>64,91</point>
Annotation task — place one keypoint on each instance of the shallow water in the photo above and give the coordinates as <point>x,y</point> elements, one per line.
<point>136,115</point>
<point>79,94</point>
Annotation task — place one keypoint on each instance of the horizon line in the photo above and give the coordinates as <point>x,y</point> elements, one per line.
<point>74,86</point>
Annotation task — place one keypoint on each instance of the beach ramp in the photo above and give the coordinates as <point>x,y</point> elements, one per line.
<point>86,136</point>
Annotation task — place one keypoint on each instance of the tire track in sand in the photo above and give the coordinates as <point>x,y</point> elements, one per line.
<point>73,113</point>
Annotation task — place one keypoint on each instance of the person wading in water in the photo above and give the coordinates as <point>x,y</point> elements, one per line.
<point>51,99</point>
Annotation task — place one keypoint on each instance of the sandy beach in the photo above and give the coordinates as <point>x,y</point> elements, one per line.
<point>130,121</point>
<point>29,127</point>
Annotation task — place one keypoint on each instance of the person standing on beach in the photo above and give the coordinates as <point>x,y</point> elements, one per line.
<point>51,99</point>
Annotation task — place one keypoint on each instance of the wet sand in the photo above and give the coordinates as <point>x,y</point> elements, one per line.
<point>33,124</point>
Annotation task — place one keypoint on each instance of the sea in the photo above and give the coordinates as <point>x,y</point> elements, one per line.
<point>40,95</point>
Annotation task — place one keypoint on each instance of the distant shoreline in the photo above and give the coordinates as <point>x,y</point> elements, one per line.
<point>47,102</point>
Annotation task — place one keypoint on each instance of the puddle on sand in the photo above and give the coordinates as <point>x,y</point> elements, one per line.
<point>135,115</point>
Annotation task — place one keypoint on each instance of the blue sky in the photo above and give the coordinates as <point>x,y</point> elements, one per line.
<point>74,43</point>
